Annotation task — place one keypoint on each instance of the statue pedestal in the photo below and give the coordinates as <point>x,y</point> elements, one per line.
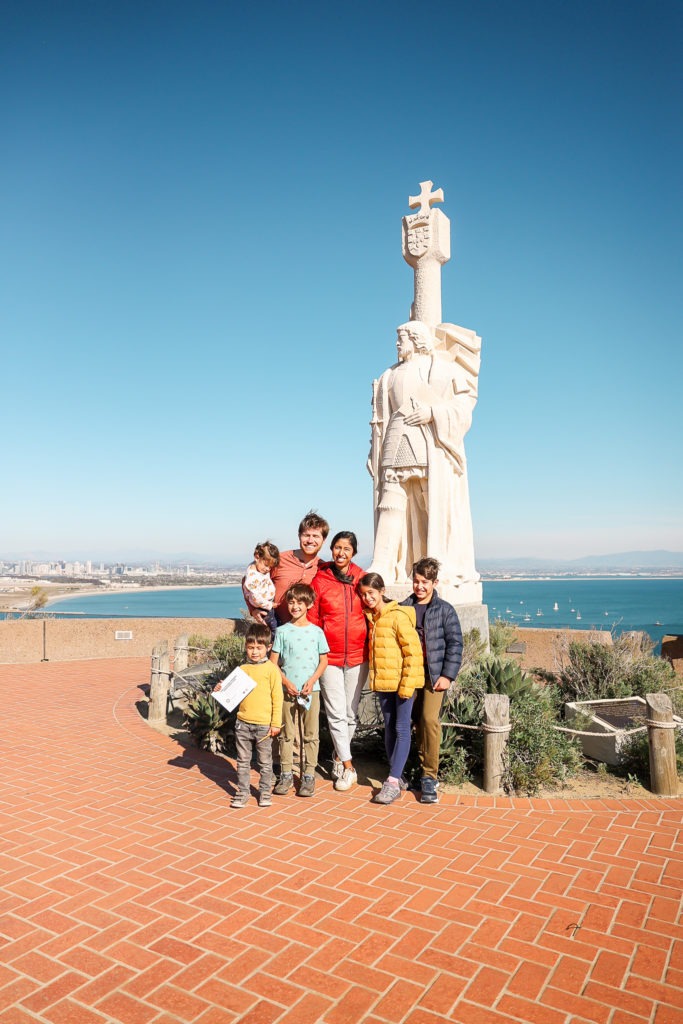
<point>472,615</point>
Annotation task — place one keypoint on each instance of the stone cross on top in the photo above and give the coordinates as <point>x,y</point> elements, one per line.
<point>426,247</point>
<point>425,198</point>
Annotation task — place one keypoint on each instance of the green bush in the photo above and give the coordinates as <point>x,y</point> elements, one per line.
<point>199,648</point>
<point>591,670</point>
<point>454,759</point>
<point>228,651</point>
<point>634,757</point>
<point>501,635</point>
<point>207,722</point>
<point>473,648</point>
<point>537,754</point>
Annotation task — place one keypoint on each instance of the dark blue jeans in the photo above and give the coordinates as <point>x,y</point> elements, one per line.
<point>396,712</point>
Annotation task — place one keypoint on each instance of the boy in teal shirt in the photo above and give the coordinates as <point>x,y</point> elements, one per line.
<point>300,649</point>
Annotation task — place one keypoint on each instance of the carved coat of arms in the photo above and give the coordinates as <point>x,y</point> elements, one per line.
<point>417,239</point>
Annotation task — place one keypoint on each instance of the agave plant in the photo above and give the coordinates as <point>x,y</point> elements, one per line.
<point>207,722</point>
<point>506,677</point>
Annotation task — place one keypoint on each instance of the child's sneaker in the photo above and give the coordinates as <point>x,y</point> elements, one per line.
<point>240,799</point>
<point>337,769</point>
<point>387,794</point>
<point>307,787</point>
<point>264,799</point>
<point>429,793</point>
<point>347,779</point>
<point>284,784</point>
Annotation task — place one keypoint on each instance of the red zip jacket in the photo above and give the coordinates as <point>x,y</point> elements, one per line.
<point>339,613</point>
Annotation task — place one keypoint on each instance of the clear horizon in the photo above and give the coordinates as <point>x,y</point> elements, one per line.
<point>202,272</point>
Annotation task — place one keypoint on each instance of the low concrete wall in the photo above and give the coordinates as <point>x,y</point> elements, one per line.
<point>21,640</point>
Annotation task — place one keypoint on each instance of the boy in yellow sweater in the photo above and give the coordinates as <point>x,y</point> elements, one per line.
<point>259,717</point>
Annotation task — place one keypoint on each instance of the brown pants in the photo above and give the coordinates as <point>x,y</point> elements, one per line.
<point>426,717</point>
<point>290,726</point>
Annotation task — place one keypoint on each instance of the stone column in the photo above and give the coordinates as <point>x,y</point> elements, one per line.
<point>426,247</point>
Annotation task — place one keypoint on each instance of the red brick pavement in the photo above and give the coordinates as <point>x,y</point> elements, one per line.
<point>130,893</point>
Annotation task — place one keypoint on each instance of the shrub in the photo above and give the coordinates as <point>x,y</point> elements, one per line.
<point>228,651</point>
<point>537,754</point>
<point>501,635</point>
<point>199,648</point>
<point>634,757</point>
<point>206,720</point>
<point>473,648</point>
<point>454,760</point>
<point>208,723</point>
<point>590,670</point>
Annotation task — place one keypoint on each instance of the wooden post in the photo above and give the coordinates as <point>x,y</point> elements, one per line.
<point>154,677</point>
<point>496,732</point>
<point>158,688</point>
<point>181,653</point>
<point>661,735</point>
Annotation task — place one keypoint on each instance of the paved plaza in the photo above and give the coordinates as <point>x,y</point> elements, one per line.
<point>131,893</point>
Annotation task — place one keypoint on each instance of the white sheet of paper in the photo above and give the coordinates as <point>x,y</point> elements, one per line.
<point>234,689</point>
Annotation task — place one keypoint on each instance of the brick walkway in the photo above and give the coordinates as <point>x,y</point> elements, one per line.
<point>130,893</point>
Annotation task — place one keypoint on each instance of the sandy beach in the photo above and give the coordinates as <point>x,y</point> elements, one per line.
<point>15,598</point>
<point>18,599</point>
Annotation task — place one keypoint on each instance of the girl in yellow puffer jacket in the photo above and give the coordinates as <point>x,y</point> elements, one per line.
<point>396,671</point>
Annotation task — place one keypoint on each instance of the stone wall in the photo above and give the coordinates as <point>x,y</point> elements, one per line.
<point>21,640</point>
<point>672,650</point>
<point>542,646</point>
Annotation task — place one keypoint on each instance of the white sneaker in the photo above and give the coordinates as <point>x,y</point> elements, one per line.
<point>347,779</point>
<point>337,769</point>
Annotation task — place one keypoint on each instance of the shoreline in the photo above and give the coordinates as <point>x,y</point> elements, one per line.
<point>18,600</point>
<point>99,591</point>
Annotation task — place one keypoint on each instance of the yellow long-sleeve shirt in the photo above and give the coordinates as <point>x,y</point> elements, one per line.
<point>263,706</point>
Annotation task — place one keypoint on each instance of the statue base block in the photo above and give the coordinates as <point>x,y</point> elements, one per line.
<point>474,615</point>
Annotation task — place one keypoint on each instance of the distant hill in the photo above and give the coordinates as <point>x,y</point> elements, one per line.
<point>633,560</point>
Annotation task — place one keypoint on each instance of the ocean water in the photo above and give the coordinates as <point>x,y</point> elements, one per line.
<point>652,605</point>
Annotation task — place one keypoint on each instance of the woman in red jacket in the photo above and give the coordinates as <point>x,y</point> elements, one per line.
<point>339,613</point>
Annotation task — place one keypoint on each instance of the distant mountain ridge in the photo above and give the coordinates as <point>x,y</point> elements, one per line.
<point>622,560</point>
<point>635,560</point>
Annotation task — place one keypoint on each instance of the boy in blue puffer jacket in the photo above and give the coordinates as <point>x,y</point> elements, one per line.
<point>439,630</point>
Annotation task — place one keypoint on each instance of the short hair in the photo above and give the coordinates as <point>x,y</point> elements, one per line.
<point>427,567</point>
<point>260,633</point>
<point>301,592</point>
<point>371,579</point>
<point>312,521</point>
<point>269,552</point>
<point>345,535</point>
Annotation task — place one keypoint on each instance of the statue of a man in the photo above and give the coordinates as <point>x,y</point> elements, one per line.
<point>422,409</point>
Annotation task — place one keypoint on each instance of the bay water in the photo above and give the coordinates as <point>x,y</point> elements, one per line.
<point>609,603</point>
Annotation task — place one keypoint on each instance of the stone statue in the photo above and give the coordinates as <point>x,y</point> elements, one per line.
<point>422,408</point>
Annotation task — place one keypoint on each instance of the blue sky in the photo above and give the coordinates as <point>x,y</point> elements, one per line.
<point>202,274</point>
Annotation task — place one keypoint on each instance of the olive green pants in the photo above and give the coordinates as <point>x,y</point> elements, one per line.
<point>291,713</point>
<point>428,727</point>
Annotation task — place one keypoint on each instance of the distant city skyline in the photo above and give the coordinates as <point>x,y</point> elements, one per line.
<point>188,563</point>
<point>201,272</point>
